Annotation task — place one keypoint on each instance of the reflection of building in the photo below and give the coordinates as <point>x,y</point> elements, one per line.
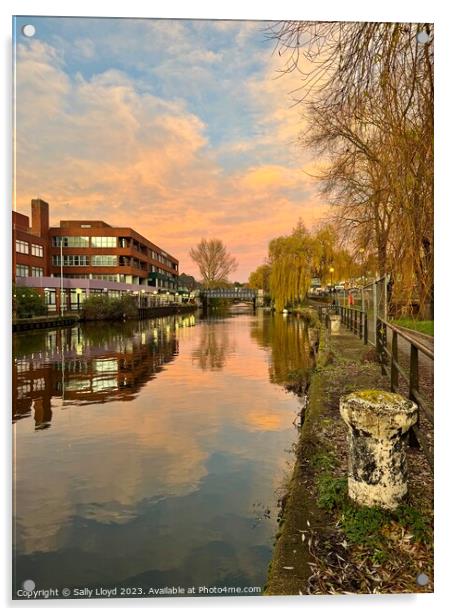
<point>91,255</point>
<point>85,365</point>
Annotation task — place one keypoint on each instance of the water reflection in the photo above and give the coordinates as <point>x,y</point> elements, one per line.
<point>163,438</point>
<point>214,346</point>
<point>89,364</point>
<point>288,340</point>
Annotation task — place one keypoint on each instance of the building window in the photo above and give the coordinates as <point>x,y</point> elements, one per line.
<point>104,260</point>
<point>70,260</point>
<point>23,390</point>
<point>38,384</point>
<point>21,270</point>
<point>75,276</point>
<point>22,247</point>
<point>50,299</point>
<point>109,277</point>
<point>104,242</point>
<point>77,296</point>
<point>71,241</point>
<point>37,271</point>
<point>23,366</point>
<point>37,250</point>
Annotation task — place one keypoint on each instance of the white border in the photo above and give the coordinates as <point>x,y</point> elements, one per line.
<point>380,10</point>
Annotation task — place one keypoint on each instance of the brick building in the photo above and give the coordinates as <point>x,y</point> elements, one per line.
<point>89,256</point>
<point>31,243</point>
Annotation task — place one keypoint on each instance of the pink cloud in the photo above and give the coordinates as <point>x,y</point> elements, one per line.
<point>102,148</point>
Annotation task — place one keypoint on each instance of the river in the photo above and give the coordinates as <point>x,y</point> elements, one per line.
<point>151,454</point>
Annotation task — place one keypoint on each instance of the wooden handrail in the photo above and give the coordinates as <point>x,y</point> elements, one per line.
<point>390,363</point>
<point>428,352</point>
<point>391,357</point>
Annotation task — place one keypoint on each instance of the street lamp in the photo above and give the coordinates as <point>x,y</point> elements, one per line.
<point>78,293</point>
<point>361,252</point>
<point>331,273</point>
<point>61,278</point>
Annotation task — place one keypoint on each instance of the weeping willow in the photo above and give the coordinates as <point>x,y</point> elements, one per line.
<point>291,260</point>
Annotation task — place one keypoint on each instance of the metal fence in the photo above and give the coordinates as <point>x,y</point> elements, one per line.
<point>355,320</point>
<point>375,304</point>
<point>408,362</point>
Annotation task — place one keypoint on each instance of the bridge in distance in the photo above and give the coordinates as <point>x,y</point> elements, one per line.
<point>235,293</point>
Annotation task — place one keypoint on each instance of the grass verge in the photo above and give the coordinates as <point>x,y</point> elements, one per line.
<point>425,327</point>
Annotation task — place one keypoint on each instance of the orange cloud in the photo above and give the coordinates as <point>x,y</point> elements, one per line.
<point>106,148</point>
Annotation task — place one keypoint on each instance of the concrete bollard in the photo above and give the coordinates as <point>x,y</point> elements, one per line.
<point>335,323</point>
<point>377,475</point>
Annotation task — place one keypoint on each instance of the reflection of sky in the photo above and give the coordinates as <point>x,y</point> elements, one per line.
<point>189,123</point>
<point>165,483</point>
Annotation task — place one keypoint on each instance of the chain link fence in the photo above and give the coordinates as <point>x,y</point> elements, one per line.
<point>375,303</point>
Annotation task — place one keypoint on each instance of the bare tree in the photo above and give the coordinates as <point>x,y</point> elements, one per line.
<point>215,263</point>
<point>367,92</point>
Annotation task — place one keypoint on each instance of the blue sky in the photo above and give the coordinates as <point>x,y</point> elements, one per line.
<point>101,99</point>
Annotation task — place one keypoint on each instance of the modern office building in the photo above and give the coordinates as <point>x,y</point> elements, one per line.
<point>83,256</point>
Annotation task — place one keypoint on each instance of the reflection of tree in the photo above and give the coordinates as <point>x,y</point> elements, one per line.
<point>287,337</point>
<point>28,343</point>
<point>213,348</point>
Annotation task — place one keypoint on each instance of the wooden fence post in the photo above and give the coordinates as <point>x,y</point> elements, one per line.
<point>413,386</point>
<point>394,360</point>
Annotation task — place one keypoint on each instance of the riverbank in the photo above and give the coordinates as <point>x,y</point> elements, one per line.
<point>325,544</point>
<point>31,323</point>
<point>44,322</point>
<point>166,311</point>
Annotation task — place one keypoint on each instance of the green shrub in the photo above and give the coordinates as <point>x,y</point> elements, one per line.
<point>28,303</point>
<point>309,315</point>
<point>362,525</point>
<point>415,521</point>
<point>123,307</point>
<point>102,307</point>
<point>324,461</point>
<point>332,491</point>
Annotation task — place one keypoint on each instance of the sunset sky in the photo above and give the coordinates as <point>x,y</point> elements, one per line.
<point>179,129</point>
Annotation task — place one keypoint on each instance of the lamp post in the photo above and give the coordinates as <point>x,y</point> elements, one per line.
<point>78,293</point>
<point>361,253</point>
<point>363,278</point>
<point>61,278</point>
<point>331,275</point>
